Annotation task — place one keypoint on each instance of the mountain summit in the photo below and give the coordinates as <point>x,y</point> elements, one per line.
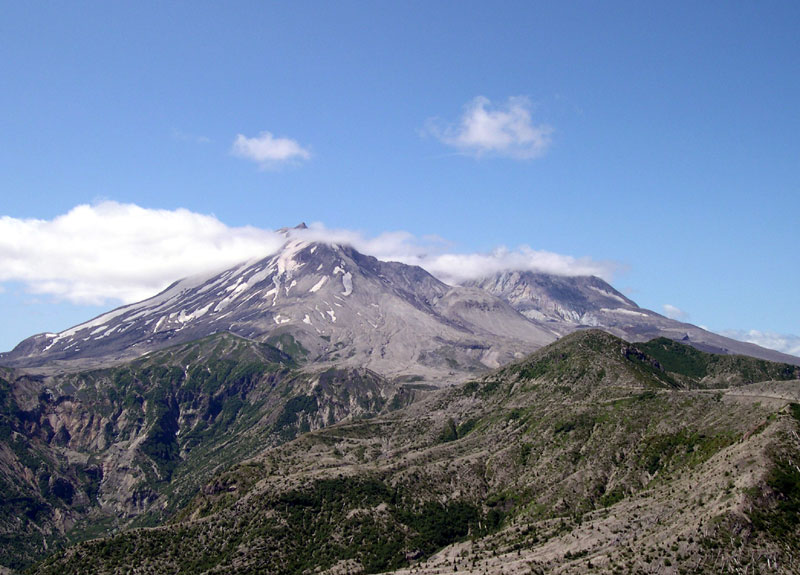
<point>327,301</point>
<point>569,303</point>
<point>329,304</point>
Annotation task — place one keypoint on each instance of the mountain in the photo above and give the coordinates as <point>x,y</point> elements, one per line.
<point>333,304</point>
<point>591,454</point>
<point>86,453</point>
<point>566,304</point>
<point>321,410</point>
<point>336,306</point>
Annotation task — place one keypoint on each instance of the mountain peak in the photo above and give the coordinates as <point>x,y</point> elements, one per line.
<point>286,231</point>
<point>326,301</point>
<point>548,297</point>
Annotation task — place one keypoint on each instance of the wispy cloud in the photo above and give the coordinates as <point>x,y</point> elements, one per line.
<point>505,130</point>
<point>112,252</point>
<point>673,312</point>
<point>182,136</point>
<point>269,151</point>
<point>787,343</point>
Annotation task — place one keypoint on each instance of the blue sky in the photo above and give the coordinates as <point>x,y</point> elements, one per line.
<point>657,144</point>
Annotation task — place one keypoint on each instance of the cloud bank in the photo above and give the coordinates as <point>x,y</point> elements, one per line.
<point>780,342</point>
<point>122,253</point>
<point>506,130</point>
<point>430,253</point>
<point>269,151</point>
<point>676,313</point>
<point>113,252</point>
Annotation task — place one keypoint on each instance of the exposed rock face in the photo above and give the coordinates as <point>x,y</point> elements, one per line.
<point>105,448</point>
<point>569,303</point>
<point>345,308</point>
<point>339,305</point>
<point>590,454</point>
<point>558,299</point>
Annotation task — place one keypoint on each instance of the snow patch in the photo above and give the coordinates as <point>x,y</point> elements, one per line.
<point>259,276</point>
<point>277,282</point>
<point>608,294</point>
<point>184,317</point>
<point>347,282</point>
<point>624,311</point>
<point>307,320</point>
<point>285,259</point>
<point>318,285</point>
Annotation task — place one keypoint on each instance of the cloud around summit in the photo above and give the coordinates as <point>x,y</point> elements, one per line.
<point>121,253</point>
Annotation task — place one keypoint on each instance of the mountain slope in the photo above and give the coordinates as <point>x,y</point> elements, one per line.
<point>584,456</point>
<point>86,453</point>
<point>569,303</point>
<point>336,304</point>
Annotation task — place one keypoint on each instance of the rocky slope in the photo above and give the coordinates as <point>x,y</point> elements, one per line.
<point>347,309</point>
<point>87,453</point>
<point>342,307</point>
<point>590,454</point>
<point>569,303</point>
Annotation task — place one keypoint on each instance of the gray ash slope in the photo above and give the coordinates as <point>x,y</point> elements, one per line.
<point>326,302</point>
<point>567,303</point>
<point>331,305</point>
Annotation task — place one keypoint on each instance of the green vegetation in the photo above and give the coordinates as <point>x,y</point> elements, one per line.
<point>684,448</point>
<point>776,511</point>
<point>287,420</point>
<point>590,434</point>
<point>289,345</point>
<point>686,361</point>
<point>330,520</point>
<point>779,515</point>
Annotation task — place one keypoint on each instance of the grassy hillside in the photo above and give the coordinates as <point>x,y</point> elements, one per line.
<point>590,454</point>
<point>88,454</point>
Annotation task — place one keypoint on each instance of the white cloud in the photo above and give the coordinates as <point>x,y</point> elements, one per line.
<point>506,130</point>
<point>456,268</point>
<point>786,343</point>
<point>111,252</point>
<point>95,254</point>
<point>673,312</point>
<point>269,151</point>
<point>431,253</point>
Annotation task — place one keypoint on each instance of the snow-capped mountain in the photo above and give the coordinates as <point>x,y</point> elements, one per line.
<point>332,305</point>
<point>328,302</point>
<point>562,300</point>
<point>570,303</point>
